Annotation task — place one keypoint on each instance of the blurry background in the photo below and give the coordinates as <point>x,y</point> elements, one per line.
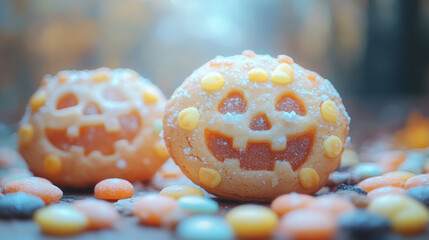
<point>374,51</point>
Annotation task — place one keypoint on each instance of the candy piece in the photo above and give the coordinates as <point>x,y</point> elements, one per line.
<point>154,210</point>
<point>332,146</point>
<point>257,75</point>
<point>35,186</point>
<point>61,220</point>
<point>212,81</point>
<point>366,170</point>
<point>178,191</point>
<point>252,221</point>
<point>248,53</point>
<point>113,189</point>
<point>15,185</point>
<point>52,164</point>
<point>92,121</point>
<point>390,160</point>
<point>25,133</point>
<point>304,224</point>
<point>197,204</point>
<point>362,224</point>
<point>99,213</point>
<point>308,177</point>
<point>161,150</point>
<point>289,202</point>
<point>403,175</point>
<point>344,187</point>
<point>421,194</point>
<point>209,177</point>
<point>149,96</point>
<point>188,118</point>
<point>204,227</point>
<point>416,181</point>
<point>408,216</point>
<point>283,74</point>
<point>332,204</point>
<point>329,111</point>
<point>372,183</point>
<point>19,205</point>
<point>285,59</point>
<point>386,191</point>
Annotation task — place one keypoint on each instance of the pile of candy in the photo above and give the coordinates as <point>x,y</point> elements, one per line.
<point>379,204</point>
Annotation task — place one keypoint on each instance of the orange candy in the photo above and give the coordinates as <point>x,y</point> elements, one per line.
<point>113,189</point>
<point>154,210</point>
<point>390,161</point>
<point>416,181</point>
<point>292,201</point>
<point>403,175</point>
<point>386,191</point>
<point>100,214</point>
<point>36,186</point>
<point>305,224</point>
<point>336,206</point>
<point>372,183</point>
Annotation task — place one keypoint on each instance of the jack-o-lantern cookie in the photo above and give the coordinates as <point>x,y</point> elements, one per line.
<point>84,126</point>
<point>253,127</point>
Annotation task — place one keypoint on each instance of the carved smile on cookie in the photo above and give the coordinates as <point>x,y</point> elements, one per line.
<point>258,155</point>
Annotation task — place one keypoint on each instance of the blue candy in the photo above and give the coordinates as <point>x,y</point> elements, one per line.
<point>198,204</point>
<point>204,227</point>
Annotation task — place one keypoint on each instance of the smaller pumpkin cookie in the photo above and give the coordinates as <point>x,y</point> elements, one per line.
<point>84,126</point>
<point>253,127</point>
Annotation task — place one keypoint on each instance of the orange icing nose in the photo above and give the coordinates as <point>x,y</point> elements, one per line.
<point>260,123</point>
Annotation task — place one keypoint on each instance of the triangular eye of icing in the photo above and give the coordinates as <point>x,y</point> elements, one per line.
<point>290,103</point>
<point>233,103</point>
<point>67,100</point>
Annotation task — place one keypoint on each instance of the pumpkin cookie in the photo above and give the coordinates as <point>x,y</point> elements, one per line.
<point>252,127</point>
<point>84,126</point>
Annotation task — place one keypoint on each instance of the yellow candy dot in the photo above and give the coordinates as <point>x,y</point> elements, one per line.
<point>52,164</point>
<point>101,75</point>
<point>209,177</point>
<point>179,191</point>
<point>283,74</point>
<point>333,146</point>
<point>403,175</point>
<point>38,100</point>
<point>161,150</point>
<point>25,133</point>
<point>149,97</point>
<point>257,75</point>
<point>188,118</point>
<point>329,111</point>
<point>252,221</point>
<point>308,177</point>
<point>212,81</point>
<point>61,220</point>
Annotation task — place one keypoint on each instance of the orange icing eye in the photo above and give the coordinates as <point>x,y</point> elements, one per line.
<point>67,100</point>
<point>290,103</point>
<point>95,137</point>
<point>260,123</point>
<point>233,103</point>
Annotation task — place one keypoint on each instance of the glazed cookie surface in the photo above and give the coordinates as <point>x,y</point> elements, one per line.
<point>84,126</point>
<point>253,127</point>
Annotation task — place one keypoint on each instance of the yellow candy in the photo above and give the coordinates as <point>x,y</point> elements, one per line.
<point>329,111</point>
<point>38,100</point>
<point>188,118</point>
<point>149,97</point>
<point>257,75</point>
<point>212,81</point>
<point>161,150</point>
<point>407,215</point>
<point>403,175</point>
<point>283,74</point>
<point>179,191</point>
<point>308,177</point>
<point>61,220</point>
<point>52,164</point>
<point>101,75</point>
<point>252,221</point>
<point>209,177</point>
<point>25,133</point>
<point>333,146</point>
